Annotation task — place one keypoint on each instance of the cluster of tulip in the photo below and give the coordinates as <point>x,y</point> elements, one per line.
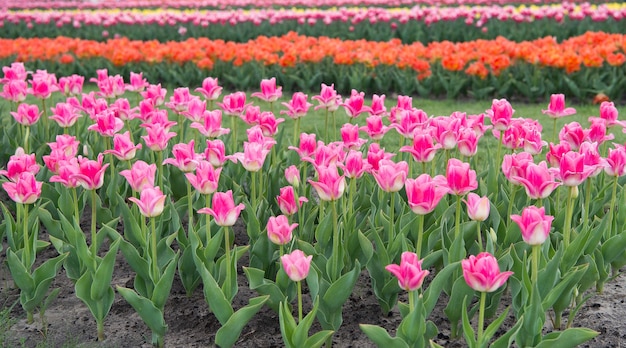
<point>350,206</point>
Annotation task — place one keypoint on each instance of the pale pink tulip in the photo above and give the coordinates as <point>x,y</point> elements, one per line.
<point>500,114</point>
<point>157,136</point>
<point>185,157</point>
<point>482,273</point>
<point>330,185</point>
<point>616,161</point>
<point>375,127</point>
<point>354,165</point>
<point>328,98</point>
<point>461,179</point>
<point>25,190</point>
<point>211,126</point>
<point>123,147</point>
<point>307,146</point>
<point>91,173</point>
<point>151,201</point>
<point>298,106</point>
<point>253,156</point>
<point>477,207</point>
<point>15,91</point>
<point>296,265</point>
<point>27,114</point>
<point>573,134</point>
<point>210,89</point>
<point>223,209</point>
<point>215,152</point>
<point>391,176</point>
<point>292,174</point>
<point>140,176</point>
<point>107,124</point>
<point>234,104</point>
<point>534,224</point>
<point>206,178</point>
<point>279,230</point>
<point>537,179</point>
<point>19,163</point>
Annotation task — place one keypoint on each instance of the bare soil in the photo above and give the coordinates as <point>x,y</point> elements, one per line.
<point>191,324</point>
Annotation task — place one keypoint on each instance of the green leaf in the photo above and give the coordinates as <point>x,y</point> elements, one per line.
<point>21,276</point>
<point>287,324</point>
<point>468,331</point>
<point>104,273</point>
<point>340,290</point>
<point>431,295</point>
<point>213,294</point>
<point>318,339</point>
<point>151,315</point>
<point>381,337</point>
<point>571,337</point>
<point>614,247</point>
<point>506,340</point>
<point>163,287</point>
<point>495,325</point>
<point>43,277</point>
<point>264,286</point>
<point>301,332</point>
<point>228,334</point>
<point>455,308</point>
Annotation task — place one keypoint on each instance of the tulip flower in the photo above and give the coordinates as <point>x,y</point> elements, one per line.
<point>215,152</point>
<point>107,124</point>
<point>185,157</point>
<point>211,125</point>
<point>477,207</point>
<point>391,176</point>
<point>330,185</point>
<point>409,272</point>
<point>137,82</point>
<point>25,189</point>
<point>572,169</point>
<point>123,147</point>
<point>210,89</point>
<point>375,154</point>
<point>423,195</point>
<point>234,104</point>
<point>354,165</point>
<point>573,134</point>
<point>91,173</point>
<point>223,209</point>
<point>461,179</point>
<point>251,115</point>
<point>375,127</point>
<point>288,202</point>
<point>27,114</point>
<point>157,136</point>
<point>179,101</point>
<point>66,171</point>
<point>269,92</point>
<point>269,123</point>
<point>378,106</point>
<point>354,105</point>
<point>534,225</point>
<point>151,201</point>
<point>140,176</point>
<point>296,265</point>
<point>555,153</point>
<point>19,163</point>
<point>328,98</point>
<point>279,230</point>
<point>467,142</point>
<point>15,91</point>
<point>406,122</point>
<point>292,174</point>
<point>597,131</point>
<point>537,179</point>
<point>616,161</point>
<point>423,149</point>
<point>556,108</point>
<point>206,178</point>
<point>610,114</point>
<point>253,156</point>
<point>155,94</point>
<point>350,137</point>
<point>307,145</point>
<point>500,114</point>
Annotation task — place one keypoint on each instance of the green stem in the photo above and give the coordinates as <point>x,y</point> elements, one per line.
<point>612,208</point>
<point>109,147</point>
<point>412,300</point>
<point>554,137</point>
<point>420,235</point>
<point>536,251</point>
<point>76,213</point>
<point>94,240</point>
<point>511,204</point>
<point>160,169</point>
<point>568,217</point>
<point>100,326</point>
<point>334,126</point>
<point>228,261</point>
<point>299,300</point>
<point>481,318</point>
<point>233,126</point>
<point>392,202</point>
<point>153,248</point>
<point>181,127</point>
<point>26,137</point>
<point>45,119</point>
<point>351,190</point>
<point>326,124</point>
<point>587,202</point>
<point>296,132</point>
<point>253,193</point>
<point>207,217</point>
<point>479,236</point>
<point>336,255</point>
<point>27,244</point>
<point>457,222</point>
<point>189,209</point>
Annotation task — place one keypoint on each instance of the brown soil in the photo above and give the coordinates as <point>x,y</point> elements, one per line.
<point>191,324</point>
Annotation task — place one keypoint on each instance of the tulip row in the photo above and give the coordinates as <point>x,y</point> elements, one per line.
<point>343,200</point>
<point>419,24</point>
<point>591,63</point>
<point>208,4</point>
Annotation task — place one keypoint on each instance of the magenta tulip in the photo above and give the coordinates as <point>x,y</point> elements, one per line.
<point>424,193</point>
<point>140,175</point>
<point>557,108</point>
<point>223,209</point>
<point>91,174</point>
<point>461,179</point>
<point>206,178</point>
<point>269,91</point>
<point>123,147</point>
<point>288,202</point>
<point>391,176</point>
<point>330,185</point>
<point>537,179</point>
<point>151,201</point>
<point>482,273</point>
<point>25,190</point>
<point>409,272</point>
<point>279,230</point>
<point>534,224</point>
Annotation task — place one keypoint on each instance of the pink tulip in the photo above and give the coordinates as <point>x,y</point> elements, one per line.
<point>151,201</point>
<point>25,190</point>
<point>573,134</point>
<point>215,152</point>
<point>43,84</point>
<point>251,115</point>
<point>378,106</point>
<point>269,91</point>
<point>461,179</point>
<point>17,71</point>
<point>446,131</point>
<point>137,82</point>
<point>157,137</point>
<point>15,91</point>
<point>155,94</point>
<point>500,114</point>
<point>391,176</point>
<point>307,146</point>
<point>354,165</point>
<point>409,272</point>
<point>597,131</point>
<point>253,156</point>
<point>206,177</point>
<point>610,114</point>
<point>375,154</point>
<point>532,141</point>
<point>234,104</point>
<point>296,265</point>
<point>107,124</point>
<point>27,114</point>
<point>179,101</point>
<point>556,152</point>
<point>185,157</point>
<point>330,185</point>
<point>140,175</point>
<point>278,229</point>
<point>211,126</point>
<point>616,161</point>
<point>326,155</point>
<point>407,122</point>
<point>477,207</point>
<point>350,137</point>
<point>572,169</point>
<point>424,193</point>
<point>196,110</point>
<point>298,106</point>
<point>224,210</point>
<point>288,202</point>
<point>467,142</point>
<point>328,98</point>
<point>161,118</point>
<point>482,273</point>
<point>19,163</point>
<point>71,85</point>
<point>123,111</point>
<point>354,105</point>
<point>65,143</point>
<point>557,108</point>
<point>537,179</point>
<point>592,157</point>
<point>534,224</point>
<point>91,173</point>
<point>123,147</point>
<point>66,170</point>
<point>514,166</point>
<point>210,89</point>
<point>375,127</point>
<point>292,174</point>
<point>423,148</point>
<point>269,123</point>
<point>65,115</point>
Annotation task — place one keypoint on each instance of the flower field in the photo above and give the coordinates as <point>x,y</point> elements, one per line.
<point>299,169</point>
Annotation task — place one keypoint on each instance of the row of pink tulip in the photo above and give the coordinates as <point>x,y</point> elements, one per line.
<point>99,4</point>
<point>479,15</point>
